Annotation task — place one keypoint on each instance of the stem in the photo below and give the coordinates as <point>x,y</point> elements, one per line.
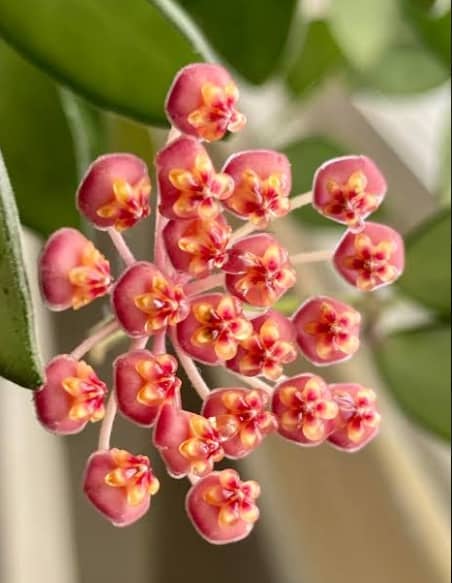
<point>159,343</point>
<point>253,382</point>
<point>311,257</point>
<point>89,343</point>
<point>121,247</point>
<point>204,284</point>
<point>295,202</point>
<point>112,405</point>
<point>191,369</point>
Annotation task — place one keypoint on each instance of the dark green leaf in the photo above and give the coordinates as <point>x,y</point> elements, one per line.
<point>120,55</point>
<point>364,29</point>
<point>36,143</point>
<point>319,56</point>
<point>432,27</point>
<point>250,35</point>
<point>404,70</point>
<point>416,365</point>
<point>306,156</point>
<point>427,272</point>
<point>19,361</point>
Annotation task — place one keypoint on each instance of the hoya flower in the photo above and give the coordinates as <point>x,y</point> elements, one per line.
<point>214,329</point>
<point>189,185</point>
<point>371,258</point>
<point>71,396</point>
<point>269,347</point>
<point>143,382</point>
<point>258,270</point>
<point>72,272</point>
<point>145,302</point>
<point>120,485</point>
<point>262,181</point>
<point>305,409</point>
<point>243,415</point>
<point>197,247</point>
<point>202,102</point>
<point>348,190</point>
<point>115,192</point>
<point>188,443</point>
<point>327,330</point>
<point>358,421</point>
<point>222,508</point>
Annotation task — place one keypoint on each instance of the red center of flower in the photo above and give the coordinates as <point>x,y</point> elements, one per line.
<point>350,201</point>
<point>160,381</point>
<point>206,241</point>
<point>90,278</point>
<point>87,392</point>
<point>359,411</point>
<point>372,262</point>
<point>129,203</point>
<point>203,447</point>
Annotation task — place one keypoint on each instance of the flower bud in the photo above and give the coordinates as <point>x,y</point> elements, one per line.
<point>71,396</point>
<point>145,302</point>
<point>214,328</point>
<point>189,186</point>
<point>222,508</point>
<point>348,189</point>
<point>242,415</point>
<point>358,420</point>
<point>258,270</point>
<point>120,485</point>
<point>269,347</point>
<point>197,247</point>
<point>115,192</point>
<point>201,102</point>
<point>72,271</point>
<point>143,382</point>
<point>372,258</point>
<point>305,409</point>
<point>327,330</point>
<point>262,181</point>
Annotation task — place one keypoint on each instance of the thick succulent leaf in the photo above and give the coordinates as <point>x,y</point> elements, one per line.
<point>19,360</point>
<point>364,29</point>
<point>36,143</point>
<point>319,56</point>
<point>250,35</point>
<point>427,276</point>
<point>120,55</point>
<point>416,365</point>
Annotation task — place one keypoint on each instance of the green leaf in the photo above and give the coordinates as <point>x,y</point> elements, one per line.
<point>19,361</point>
<point>250,35</point>
<point>416,366</point>
<point>119,55</point>
<point>405,70</point>
<point>306,156</point>
<point>427,276</point>
<point>444,174</point>
<point>431,26</point>
<point>36,143</point>
<point>364,29</point>
<point>319,56</point>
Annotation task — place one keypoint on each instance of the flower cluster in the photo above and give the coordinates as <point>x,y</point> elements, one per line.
<point>211,292</point>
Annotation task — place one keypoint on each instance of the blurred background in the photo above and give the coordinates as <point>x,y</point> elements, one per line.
<point>318,79</point>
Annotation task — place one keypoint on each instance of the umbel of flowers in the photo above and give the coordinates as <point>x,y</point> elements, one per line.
<point>208,296</point>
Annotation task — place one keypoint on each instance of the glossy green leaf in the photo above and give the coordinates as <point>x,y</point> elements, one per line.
<point>364,29</point>
<point>416,366</point>
<point>250,35</point>
<point>19,361</point>
<point>306,156</point>
<point>432,26</point>
<point>405,70</point>
<point>36,143</point>
<point>427,276</point>
<point>318,57</point>
<point>119,55</point>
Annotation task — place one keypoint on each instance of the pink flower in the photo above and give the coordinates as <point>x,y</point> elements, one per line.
<point>327,330</point>
<point>115,192</point>
<point>222,508</point>
<point>201,102</point>
<point>120,485</point>
<point>71,396</point>
<point>72,271</point>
